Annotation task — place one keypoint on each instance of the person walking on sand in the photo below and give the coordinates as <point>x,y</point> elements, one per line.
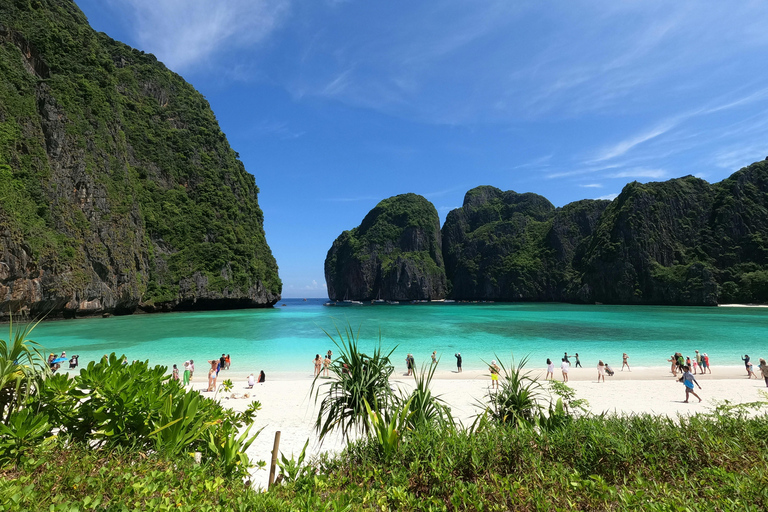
<point>564,367</point>
<point>747,365</point>
<point>213,373</point>
<point>751,372</point>
<point>673,368</point>
<point>688,379</point>
<point>764,370</point>
<point>578,363</point>
<point>494,369</point>
<point>408,364</point>
<point>327,366</point>
<point>318,365</point>
<point>696,362</point>
<point>186,373</point>
<point>550,370</point>
<point>705,360</point>
<point>458,362</point>
<point>175,374</point>
<point>600,371</point>
<point>624,362</point>
<point>191,369</point>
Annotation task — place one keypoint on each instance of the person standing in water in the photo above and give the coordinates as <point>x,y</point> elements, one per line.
<point>624,362</point>
<point>458,361</point>
<point>688,379</point>
<point>434,357</point>
<point>578,363</point>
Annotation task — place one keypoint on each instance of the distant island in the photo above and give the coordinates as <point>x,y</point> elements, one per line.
<point>678,242</point>
<point>119,192</point>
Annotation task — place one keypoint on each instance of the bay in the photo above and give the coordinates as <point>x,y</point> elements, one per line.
<point>285,339</point>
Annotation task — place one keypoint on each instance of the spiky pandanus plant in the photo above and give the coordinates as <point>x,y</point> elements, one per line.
<point>426,408</point>
<point>356,378</point>
<point>22,364</point>
<point>517,400</point>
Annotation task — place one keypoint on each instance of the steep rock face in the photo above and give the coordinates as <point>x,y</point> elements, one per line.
<point>118,188</point>
<point>652,246</point>
<point>514,247</point>
<point>395,254</point>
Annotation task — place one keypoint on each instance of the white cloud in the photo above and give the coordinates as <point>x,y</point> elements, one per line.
<point>640,173</point>
<point>186,33</point>
<point>314,286</point>
<point>629,143</point>
<point>591,185</point>
<point>609,197</point>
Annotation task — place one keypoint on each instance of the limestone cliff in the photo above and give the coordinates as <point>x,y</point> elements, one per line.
<point>507,246</point>
<point>684,242</point>
<point>394,254</point>
<point>678,242</point>
<point>118,189</point>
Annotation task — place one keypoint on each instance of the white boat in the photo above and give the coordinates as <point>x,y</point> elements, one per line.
<point>393,302</point>
<point>348,302</point>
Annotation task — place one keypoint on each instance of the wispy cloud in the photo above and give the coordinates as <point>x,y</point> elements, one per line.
<point>352,199</point>
<point>542,161</point>
<point>629,143</point>
<point>609,197</point>
<point>186,33</point>
<point>640,173</point>
<point>591,185</point>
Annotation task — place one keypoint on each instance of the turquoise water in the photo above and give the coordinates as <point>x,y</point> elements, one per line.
<point>286,338</point>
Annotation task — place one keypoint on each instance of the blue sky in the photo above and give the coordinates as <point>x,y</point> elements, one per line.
<point>336,104</point>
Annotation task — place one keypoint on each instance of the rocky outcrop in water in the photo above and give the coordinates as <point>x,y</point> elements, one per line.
<point>119,190</point>
<point>394,254</point>
<point>678,242</point>
<point>683,241</point>
<point>507,246</point>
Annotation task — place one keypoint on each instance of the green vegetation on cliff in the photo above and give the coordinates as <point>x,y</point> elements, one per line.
<point>114,170</point>
<point>394,253</point>
<point>681,242</point>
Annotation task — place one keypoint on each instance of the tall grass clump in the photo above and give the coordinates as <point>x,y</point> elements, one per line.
<point>22,367</point>
<point>517,399</point>
<point>356,379</point>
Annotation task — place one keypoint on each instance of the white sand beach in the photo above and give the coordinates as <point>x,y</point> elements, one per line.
<point>288,407</point>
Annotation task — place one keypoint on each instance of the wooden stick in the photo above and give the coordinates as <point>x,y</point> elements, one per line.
<point>274,460</point>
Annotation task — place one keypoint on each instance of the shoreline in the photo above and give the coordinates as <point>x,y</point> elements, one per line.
<point>288,407</point>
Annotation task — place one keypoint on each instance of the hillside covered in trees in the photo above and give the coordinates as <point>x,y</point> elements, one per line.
<point>118,189</point>
<point>678,242</point>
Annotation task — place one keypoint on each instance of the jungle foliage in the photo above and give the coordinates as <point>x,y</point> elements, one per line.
<point>148,153</point>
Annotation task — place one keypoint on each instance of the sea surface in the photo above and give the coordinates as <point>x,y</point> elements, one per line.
<point>285,339</point>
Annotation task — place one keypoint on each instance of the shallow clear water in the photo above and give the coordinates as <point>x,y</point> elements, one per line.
<point>286,338</point>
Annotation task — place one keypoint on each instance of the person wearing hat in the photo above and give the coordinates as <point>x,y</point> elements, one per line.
<point>458,361</point>
<point>494,374</point>
<point>705,362</point>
